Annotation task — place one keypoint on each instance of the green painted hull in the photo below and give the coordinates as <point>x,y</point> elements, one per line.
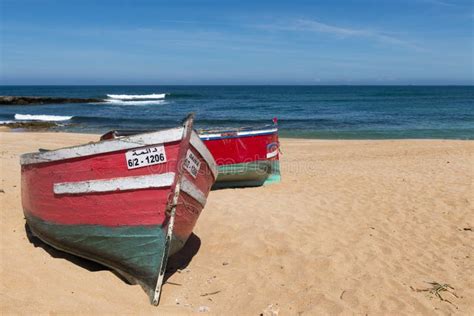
<point>248,174</point>
<point>134,251</point>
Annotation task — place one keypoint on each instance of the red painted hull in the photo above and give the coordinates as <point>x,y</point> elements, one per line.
<point>95,209</point>
<point>89,200</point>
<point>228,150</point>
<point>142,207</point>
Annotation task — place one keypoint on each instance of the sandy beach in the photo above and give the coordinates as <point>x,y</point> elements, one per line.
<point>355,227</point>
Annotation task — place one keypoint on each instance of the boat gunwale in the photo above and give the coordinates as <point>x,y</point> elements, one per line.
<point>104,146</point>
<point>243,135</point>
<point>235,129</point>
<point>122,143</point>
<point>237,132</point>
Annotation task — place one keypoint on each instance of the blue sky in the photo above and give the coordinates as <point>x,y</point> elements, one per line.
<point>236,42</point>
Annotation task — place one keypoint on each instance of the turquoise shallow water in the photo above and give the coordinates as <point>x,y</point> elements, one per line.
<point>328,112</point>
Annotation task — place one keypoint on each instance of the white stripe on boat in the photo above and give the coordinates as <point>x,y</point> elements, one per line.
<point>206,136</point>
<point>237,134</point>
<point>272,154</point>
<point>192,190</point>
<point>197,143</point>
<point>115,184</point>
<point>267,131</point>
<point>102,147</point>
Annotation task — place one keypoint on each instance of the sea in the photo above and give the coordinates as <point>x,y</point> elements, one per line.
<point>323,112</point>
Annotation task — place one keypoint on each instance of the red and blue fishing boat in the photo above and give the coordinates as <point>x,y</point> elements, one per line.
<point>245,156</point>
<point>128,203</point>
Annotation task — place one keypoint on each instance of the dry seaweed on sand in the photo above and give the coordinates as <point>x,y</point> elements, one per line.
<point>211,293</point>
<point>438,288</point>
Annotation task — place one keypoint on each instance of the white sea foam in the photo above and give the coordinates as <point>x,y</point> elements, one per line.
<point>147,102</point>
<point>137,96</point>
<point>46,118</point>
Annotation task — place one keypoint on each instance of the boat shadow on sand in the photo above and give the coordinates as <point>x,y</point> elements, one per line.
<point>178,261</point>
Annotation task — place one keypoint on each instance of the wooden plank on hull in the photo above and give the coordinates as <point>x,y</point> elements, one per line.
<point>191,189</point>
<point>115,184</point>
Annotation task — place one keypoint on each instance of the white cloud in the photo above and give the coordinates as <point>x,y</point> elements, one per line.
<point>306,25</point>
<point>440,3</point>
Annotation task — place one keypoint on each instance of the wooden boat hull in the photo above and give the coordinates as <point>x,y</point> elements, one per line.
<point>133,251</point>
<point>245,158</point>
<point>248,174</point>
<point>88,201</point>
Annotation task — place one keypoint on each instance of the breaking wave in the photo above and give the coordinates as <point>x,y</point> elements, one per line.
<point>144,102</point>
<point>45,118</point>
<point>153,96</point>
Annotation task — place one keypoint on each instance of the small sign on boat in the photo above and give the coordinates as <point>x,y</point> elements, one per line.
<point>145,156</point>
<point>272,150</point>
<point>192,163</point>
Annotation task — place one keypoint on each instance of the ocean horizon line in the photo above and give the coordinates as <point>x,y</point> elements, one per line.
<point>237,85</point>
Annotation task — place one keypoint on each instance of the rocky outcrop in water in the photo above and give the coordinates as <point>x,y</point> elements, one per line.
<point>33,125</point>
<point>19,100</point>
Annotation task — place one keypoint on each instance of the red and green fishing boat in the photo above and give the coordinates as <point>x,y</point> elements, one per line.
<point>245,156</point>
<point>128,203</point>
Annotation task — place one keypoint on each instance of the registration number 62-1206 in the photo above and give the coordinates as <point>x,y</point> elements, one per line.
<point>145,156</point>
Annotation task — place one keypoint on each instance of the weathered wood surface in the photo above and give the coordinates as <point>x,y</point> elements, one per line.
<point>27,100</point>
